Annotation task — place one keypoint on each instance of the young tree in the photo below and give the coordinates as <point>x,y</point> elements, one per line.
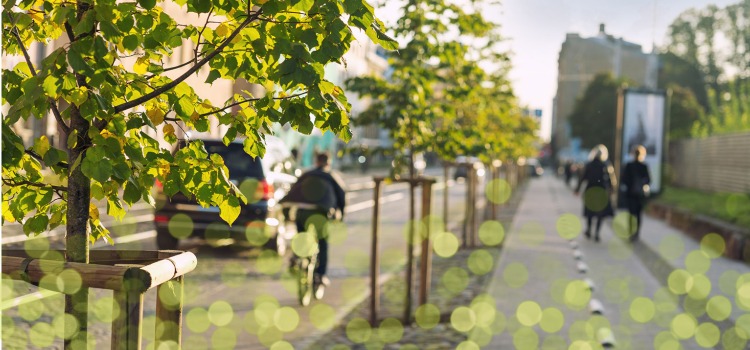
<point>101,101</point>
<point>595,112</point>
<point>435,65</point>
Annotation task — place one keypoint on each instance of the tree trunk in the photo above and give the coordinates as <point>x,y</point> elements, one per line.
<point>77,228</point>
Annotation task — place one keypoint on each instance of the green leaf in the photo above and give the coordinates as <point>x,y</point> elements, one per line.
<point>213,75</point>
<point>184,107</point>
<point>199,6</point>
<point>97,192</point>
<point>53,157</point>
<point>79,96</point>
<point>36,224</point>
<point>99,170</point>
<point>51,86</point>
<point>229,210</point>
<point>86,23</point>
<point>41,146</point>
<point>147,4</point>
<point>229,136</point>
<point>130,42</point>
<point>72,139</point>
<point>132,192</point>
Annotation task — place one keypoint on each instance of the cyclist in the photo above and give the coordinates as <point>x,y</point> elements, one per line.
<point>317,194</point>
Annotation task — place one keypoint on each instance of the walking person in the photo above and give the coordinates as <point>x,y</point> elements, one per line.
<point>635,187</point>
<point>600,180</point>
<point>568,170</point>
<point>317,194</point>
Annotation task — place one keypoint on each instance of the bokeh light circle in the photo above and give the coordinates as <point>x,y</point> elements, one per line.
<point>491,233</point>
<point>445,244</point>
<point>568,226</point>
<point>529,313</point>
<point>463,319</point>
<point>642,309</point>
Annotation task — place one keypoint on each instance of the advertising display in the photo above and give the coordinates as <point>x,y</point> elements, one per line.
<point>643,124</point>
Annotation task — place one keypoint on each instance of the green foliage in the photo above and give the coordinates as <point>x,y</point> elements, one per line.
<point>677,71</point>
<point>595,113</point>
<point>694,35</point>
<point>733,115</point>
<point>730,207</point>
<point>684,112</point>
<point>114,83</point>
<point>437,97</point>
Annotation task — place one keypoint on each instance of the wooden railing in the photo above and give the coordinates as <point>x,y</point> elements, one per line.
<point>129,274</point>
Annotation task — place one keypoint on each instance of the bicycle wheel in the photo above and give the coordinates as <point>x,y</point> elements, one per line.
<point>305,272</point>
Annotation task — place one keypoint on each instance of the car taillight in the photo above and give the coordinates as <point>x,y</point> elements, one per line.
<point>161,218</point>
<point>158,185</point>
<point>264,191</point>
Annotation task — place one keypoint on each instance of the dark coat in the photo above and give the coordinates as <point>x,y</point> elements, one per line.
<point>634,174</point>
<point>599,178</point>
<point>318,187</point>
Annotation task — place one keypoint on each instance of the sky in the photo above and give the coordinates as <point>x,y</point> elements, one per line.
<point>536,29</point>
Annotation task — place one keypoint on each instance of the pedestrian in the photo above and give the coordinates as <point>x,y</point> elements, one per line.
<point>600,180</point>
<point>318,194</point>
<point>635,188</point>
<point>568,169</point>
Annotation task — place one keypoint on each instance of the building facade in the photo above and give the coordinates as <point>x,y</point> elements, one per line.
<point>579,61</point>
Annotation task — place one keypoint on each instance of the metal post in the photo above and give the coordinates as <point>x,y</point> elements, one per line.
<point>409,255</point>
<point>169,313</point>
<point>426,258</point>
<point>445,198</point>
<point>494,186</point>
<point>473,217</point>
<point>467,210</point>
<point>375,258</point>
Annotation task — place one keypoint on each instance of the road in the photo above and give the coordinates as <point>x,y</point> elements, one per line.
<point>244,298</point>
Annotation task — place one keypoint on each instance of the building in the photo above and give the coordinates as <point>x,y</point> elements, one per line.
<point>583,58</point>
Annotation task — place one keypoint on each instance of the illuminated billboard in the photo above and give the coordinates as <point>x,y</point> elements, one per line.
<point>643,124</point>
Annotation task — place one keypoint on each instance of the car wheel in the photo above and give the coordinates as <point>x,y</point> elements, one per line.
<point>165,240</point>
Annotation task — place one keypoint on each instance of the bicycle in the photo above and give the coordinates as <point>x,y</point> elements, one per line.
<point>303,267</point>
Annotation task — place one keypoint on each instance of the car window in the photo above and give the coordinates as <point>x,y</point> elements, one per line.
<point>240,164</point>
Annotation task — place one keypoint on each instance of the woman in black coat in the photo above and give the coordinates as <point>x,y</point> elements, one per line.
<point>600,179</point>
<point>635,188</point>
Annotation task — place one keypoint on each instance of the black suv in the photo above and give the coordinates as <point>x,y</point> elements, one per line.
<point>264,181</point>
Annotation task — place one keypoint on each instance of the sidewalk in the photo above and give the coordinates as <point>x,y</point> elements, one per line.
<point>543,300</point>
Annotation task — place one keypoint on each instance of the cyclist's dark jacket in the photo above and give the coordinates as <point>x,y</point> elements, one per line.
<point>318,187</point>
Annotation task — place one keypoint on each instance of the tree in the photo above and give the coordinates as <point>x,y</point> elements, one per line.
<point>437,94</point>
<point>677,71</point>
<point>594,115</point>
<point>732,116</point>
<point>102,101</point>
<point>684,113</point>
<point>692,37</point>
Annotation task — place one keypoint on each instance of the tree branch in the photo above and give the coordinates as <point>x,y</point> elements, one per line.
<point>200,34</point>
<point>14,183</point>
<point>52,103</point>
<point>193,69</point>
<point>250,100</point>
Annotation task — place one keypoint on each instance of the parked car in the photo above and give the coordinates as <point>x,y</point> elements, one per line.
<point>461,166</point>
<point>261,223</point>
<point>534,167</point>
